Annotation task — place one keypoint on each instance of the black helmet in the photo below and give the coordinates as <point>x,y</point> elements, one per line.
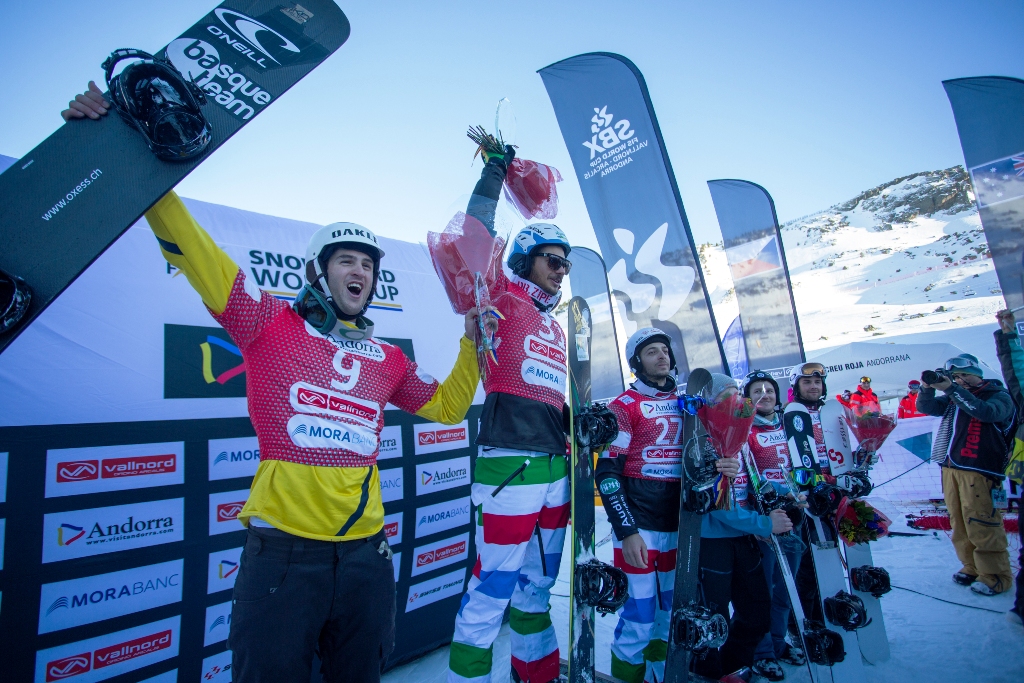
<point>155,99</point>
<point>761,376</point>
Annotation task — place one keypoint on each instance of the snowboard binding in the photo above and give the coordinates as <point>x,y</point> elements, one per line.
<point>873,580</point>
<point>856,483</point>
<point>697,629</point>
<point>601,586</point>
<point>699,476</point>
<point>824,646</point>
<point>154,98</point>
<point>15,297</point>
<point>846,611</point>
<point>824,499</point>
<point>595,426</point>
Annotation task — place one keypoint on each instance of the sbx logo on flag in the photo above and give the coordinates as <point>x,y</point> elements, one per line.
<point>606,135</point>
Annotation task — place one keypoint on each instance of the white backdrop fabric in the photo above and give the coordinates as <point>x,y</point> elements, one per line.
<point>890,366</point>
<point>96,354</point>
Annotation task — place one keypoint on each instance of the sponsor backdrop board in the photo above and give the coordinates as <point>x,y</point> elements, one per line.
<point>126,452</point>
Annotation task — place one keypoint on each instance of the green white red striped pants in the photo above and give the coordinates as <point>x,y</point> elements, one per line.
<point>519,536</point>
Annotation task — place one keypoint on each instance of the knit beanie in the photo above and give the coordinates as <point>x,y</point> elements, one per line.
<point>720,383</point>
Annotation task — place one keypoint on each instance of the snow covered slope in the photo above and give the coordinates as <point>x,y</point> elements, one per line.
<point>905,261</point>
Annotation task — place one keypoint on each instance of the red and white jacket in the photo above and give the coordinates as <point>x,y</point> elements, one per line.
<point>638,476</point>
<point>766,444</point>
<point>526,388</point>
<point>529,344</point>
<point>314,399</point>
<point>650,433</point>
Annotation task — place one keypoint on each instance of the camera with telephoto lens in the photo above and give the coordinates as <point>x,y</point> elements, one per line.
<point>935,376</point>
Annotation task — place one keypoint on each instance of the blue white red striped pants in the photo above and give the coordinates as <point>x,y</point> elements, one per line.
<point>640,644</point>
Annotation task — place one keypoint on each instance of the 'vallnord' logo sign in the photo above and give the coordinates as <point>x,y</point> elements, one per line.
<point>442,436</point>
<point>78,470</point>
<point>431,556</point>
<point>68,666</point>
<point>227,512</point>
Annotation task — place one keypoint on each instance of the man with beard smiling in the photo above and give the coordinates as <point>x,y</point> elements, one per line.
<point>316,573</point>
<point>520,482</point>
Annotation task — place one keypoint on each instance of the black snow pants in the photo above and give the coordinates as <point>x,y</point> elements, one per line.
<point>731,571</point>
<point>294,596</point>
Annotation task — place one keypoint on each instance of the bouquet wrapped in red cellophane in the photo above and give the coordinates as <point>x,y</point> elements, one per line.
<point>858,522</point>
<point>727,422</point>
<point>870,428</point>
<point>531,188</point>
<point>529,185</point>
<point>467,260</point>
<point>462,250</point>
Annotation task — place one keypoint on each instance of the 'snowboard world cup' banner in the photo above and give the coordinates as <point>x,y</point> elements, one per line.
<point>126,454</point>
<point>608,123</point>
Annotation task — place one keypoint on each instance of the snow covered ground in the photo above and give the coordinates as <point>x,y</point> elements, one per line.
<point>931,641</point>
<point>905,262</point>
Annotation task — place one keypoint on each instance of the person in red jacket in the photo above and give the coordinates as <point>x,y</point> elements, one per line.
<point>863,400</point>
<point>908,404</point>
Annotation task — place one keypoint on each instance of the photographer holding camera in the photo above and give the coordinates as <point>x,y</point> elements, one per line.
<point>971,446</point>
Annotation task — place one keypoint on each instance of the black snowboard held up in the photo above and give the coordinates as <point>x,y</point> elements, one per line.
<point>72,196</point>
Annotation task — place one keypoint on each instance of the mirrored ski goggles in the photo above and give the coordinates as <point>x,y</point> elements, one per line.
<point>690,404</point>
<point>555,262</point>
<point>757,375</point>
<point>865,380</point>
<point>15,297</point>
<point>811,369</point>
<point>804,475</point>
<point>954,364</point>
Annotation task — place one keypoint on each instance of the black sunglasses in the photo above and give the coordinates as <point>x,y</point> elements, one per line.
<point>555,262</point>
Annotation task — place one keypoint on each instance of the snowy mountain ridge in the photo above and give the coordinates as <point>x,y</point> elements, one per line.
<point>907,257</point>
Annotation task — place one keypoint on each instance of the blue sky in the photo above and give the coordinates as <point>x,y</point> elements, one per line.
<point>815,101</point>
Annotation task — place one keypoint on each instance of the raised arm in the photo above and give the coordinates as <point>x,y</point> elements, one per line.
<point>484,202</point>
<point>188,247</point>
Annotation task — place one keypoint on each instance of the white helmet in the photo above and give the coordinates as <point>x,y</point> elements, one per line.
<point>350,235</point>
<point>641,338</point>
<point>315,302</point>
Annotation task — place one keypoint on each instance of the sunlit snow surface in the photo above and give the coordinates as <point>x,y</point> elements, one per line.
<point>931,641</point>
<point>866,262</point>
